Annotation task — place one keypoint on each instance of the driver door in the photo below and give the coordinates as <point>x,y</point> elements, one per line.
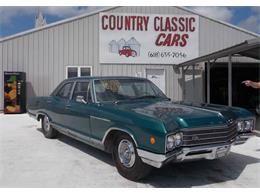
<point>80,111</point>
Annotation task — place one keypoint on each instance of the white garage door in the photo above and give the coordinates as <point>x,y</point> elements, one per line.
<point>157,76</point>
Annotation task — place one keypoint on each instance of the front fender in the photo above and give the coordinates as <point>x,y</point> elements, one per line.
<point>141,137</point>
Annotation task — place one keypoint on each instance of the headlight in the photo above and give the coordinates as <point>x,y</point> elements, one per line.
<point>178,139</point>
<point>174,141</point>
<point>248,125</point>
<point>170,143</point>
<point>240,126</point>
<point>245,125</point>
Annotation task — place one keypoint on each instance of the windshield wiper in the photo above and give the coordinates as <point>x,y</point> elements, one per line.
<point>146,96</point>
<point>141,97</point>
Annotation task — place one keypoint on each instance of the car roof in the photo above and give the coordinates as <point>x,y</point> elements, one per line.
<point>102,77</point>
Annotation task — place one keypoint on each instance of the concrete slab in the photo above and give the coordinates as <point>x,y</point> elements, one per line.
<point>27,159</point>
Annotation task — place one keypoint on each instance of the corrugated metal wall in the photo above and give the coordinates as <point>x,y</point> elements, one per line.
<point>215,36</point>
<point>44,54</point>
<point>1,78</point>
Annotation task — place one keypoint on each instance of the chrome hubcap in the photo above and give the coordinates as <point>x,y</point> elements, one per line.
<point>126,153</point>
<point>46,124</point>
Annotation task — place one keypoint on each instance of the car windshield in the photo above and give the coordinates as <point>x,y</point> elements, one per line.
<point>114,90</point>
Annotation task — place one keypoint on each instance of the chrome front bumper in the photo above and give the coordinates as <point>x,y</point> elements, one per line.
<point>192,153</point>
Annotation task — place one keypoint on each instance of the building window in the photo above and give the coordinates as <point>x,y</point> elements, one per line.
<point>72,72</point>
<point>85,71</point>
<point>78,71</point>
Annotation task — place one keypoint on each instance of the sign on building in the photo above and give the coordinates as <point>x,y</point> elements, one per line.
<point>148,39</point>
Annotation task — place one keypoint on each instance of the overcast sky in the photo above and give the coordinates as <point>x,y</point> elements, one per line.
<point>18,19</point>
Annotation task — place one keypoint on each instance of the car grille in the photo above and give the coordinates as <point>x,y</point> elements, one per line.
<point>194,137</point>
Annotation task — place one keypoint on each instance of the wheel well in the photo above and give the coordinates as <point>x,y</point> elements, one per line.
<point>111,138</point>
<point>39,117</point>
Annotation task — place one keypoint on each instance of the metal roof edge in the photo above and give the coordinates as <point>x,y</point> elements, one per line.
<point>223,52</point>
<point>104,77</point>
<point>219,21</point>
<point>113,7</point>
<point>57,23</point>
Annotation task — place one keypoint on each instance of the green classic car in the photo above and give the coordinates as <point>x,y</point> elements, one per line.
<point>142,128</point>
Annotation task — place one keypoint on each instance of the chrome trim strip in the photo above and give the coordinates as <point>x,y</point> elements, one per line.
<point>98,118</point>
<point>205,109</point>
<point>206,128</point>
<point>202,109</point>
<point>224,131</point>
<point>72,90</point>
<point>155,160</point>
<point>118,129</point>
<point>88,140</point>
<point>78,136</point>
<point>212,143</point>
<point>94,91</point>
<point>91,90</point>
<point>231,134</point>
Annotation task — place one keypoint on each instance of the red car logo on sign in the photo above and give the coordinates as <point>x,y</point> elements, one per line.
<point>127,51</point>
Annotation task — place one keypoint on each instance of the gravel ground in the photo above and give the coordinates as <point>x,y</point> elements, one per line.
<point>27,159</point>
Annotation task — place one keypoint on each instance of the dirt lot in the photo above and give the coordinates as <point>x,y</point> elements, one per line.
<point>27,159</point>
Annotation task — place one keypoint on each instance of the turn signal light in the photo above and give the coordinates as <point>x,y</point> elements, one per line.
<point>152,140</point>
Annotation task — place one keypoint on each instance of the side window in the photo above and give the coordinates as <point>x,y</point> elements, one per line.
<point>65,91</point>
<point>82,89</point>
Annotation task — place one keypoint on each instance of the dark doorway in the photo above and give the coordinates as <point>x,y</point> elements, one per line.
<point>242,96</point>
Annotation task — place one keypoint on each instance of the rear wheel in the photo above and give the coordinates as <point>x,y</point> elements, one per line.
<point>47,129</point>
<point>127,161</point>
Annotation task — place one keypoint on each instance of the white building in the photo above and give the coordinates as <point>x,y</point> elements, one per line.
<point>79,46</point>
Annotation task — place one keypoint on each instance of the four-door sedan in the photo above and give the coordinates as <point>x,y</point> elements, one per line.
<point>132,119</point>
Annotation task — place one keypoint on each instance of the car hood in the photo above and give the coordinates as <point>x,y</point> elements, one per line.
<point>176,115</point>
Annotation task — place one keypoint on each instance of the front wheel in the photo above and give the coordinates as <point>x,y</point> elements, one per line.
<point>47,129</point>
<point>127,161</point>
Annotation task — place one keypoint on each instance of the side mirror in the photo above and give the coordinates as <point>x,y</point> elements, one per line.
<point>80,99</point>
